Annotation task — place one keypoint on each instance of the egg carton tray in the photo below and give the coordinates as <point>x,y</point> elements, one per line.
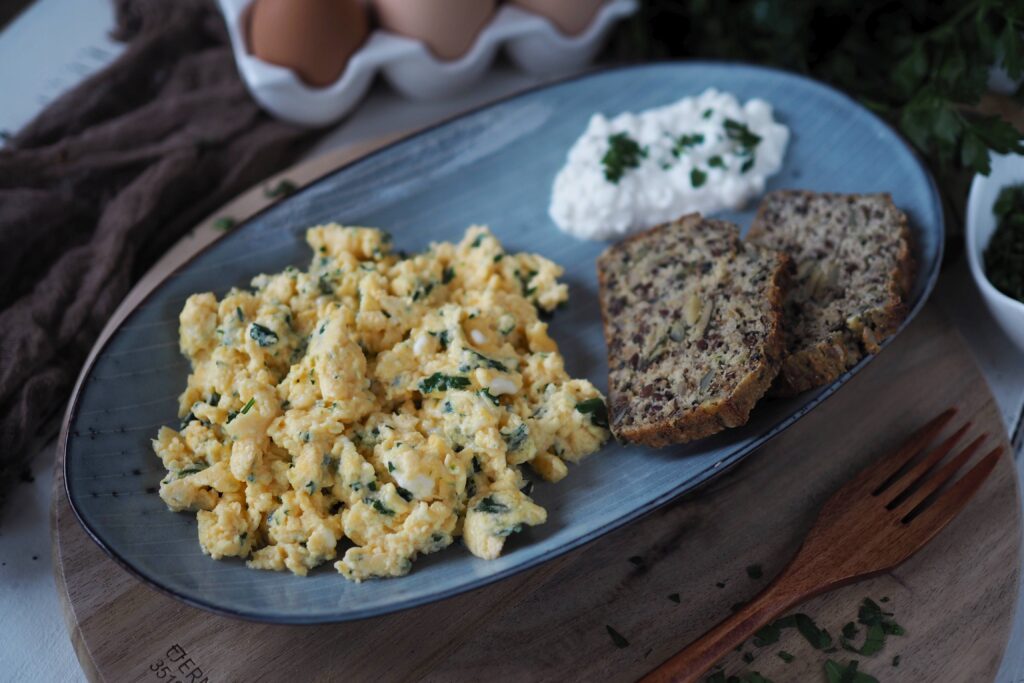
<point>531,41</point>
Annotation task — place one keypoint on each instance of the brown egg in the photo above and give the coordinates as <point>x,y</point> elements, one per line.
<point>314,38</point>
<point>571,17</point>
<point>447,27</point>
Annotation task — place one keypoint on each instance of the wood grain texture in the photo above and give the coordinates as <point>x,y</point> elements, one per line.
<point>955,598</point>
<point>863,529</point>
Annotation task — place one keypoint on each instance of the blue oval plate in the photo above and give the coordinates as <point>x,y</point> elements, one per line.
<point>492,166</point>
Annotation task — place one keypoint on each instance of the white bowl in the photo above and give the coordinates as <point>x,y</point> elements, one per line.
<point>981,223</point>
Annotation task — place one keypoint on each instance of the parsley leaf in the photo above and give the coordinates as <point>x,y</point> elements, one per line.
<point>224,223</point>
<point>264,336</point>
<point>597,410</point>
<point>1004,255</point>
<point>617,638</point>
<point>837,673</point>
<point>685,142</point>
<point>283,188</point>
<point>623,154</point>
<point>442,382</point>
<point>489,505</point>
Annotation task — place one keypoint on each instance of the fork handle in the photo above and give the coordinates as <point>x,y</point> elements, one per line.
<point>687,665</point>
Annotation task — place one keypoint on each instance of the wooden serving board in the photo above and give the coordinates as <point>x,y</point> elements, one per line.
<point>955,599</point>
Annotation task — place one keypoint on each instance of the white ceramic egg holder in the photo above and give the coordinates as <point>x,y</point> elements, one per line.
<point>532,42</point>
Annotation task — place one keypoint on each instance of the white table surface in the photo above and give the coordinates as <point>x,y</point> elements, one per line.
<point>64,41</point>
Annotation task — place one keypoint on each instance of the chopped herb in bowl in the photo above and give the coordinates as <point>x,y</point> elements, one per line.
<point>1004,255</point>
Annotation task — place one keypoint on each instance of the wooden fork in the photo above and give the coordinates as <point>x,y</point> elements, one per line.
<point>873,523</point>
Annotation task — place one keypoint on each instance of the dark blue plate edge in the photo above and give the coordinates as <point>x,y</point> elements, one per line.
<point>701,479</point>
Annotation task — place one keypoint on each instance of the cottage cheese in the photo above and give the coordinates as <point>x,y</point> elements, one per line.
<point>701,154</point>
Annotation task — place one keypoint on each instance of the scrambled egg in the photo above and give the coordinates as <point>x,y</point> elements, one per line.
<point>376,406</point>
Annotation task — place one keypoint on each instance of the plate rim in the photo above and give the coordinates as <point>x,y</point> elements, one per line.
<point>712,472</point>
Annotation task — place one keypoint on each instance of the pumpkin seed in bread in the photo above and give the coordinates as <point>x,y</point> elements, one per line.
<point>851,271</point>
<point>692,319</point>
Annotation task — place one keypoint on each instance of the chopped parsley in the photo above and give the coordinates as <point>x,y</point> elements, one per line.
<point>489,505</point>
<point>819,638</point>
<point>740,134</point>
<point>283,188</point>
<point>479,239</point>
<point>754,571</point>
<point>264,336</point>
<point>381,508</point>
<point>515,439</point>
<point>447,275</point>
<point>484,361</point>
<point>623,154</point>
<point>490,397</point>
<point>837,673</point>
<point>248,406</point>
<point>674,597</point>
<point>422,291</point>
<point>1004,255</point>
<point>685,142</point>
<point>406,494</point>
<point>617,638</point>
<point>442,382</point>
<point>192,469</point>
<point>878,624</point>
<point>224,223</point>
<point>785,656</point>
<point>698,177</point>
<point>716,162</point>
<point>596,409</point>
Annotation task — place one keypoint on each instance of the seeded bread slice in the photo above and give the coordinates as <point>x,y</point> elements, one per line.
<point>692,320</point>
<point>851,272</point>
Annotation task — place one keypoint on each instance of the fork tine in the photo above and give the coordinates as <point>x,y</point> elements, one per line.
<point>936,516</point>
<point>932,484</point>
<point>878,476</point>
<point>921,469</point>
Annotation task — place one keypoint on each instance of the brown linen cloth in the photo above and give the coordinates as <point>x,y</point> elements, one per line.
<point>102,182</point>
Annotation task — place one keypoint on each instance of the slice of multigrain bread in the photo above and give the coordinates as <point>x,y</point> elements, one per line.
<point>692,319</point>
<point>851,271</point>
